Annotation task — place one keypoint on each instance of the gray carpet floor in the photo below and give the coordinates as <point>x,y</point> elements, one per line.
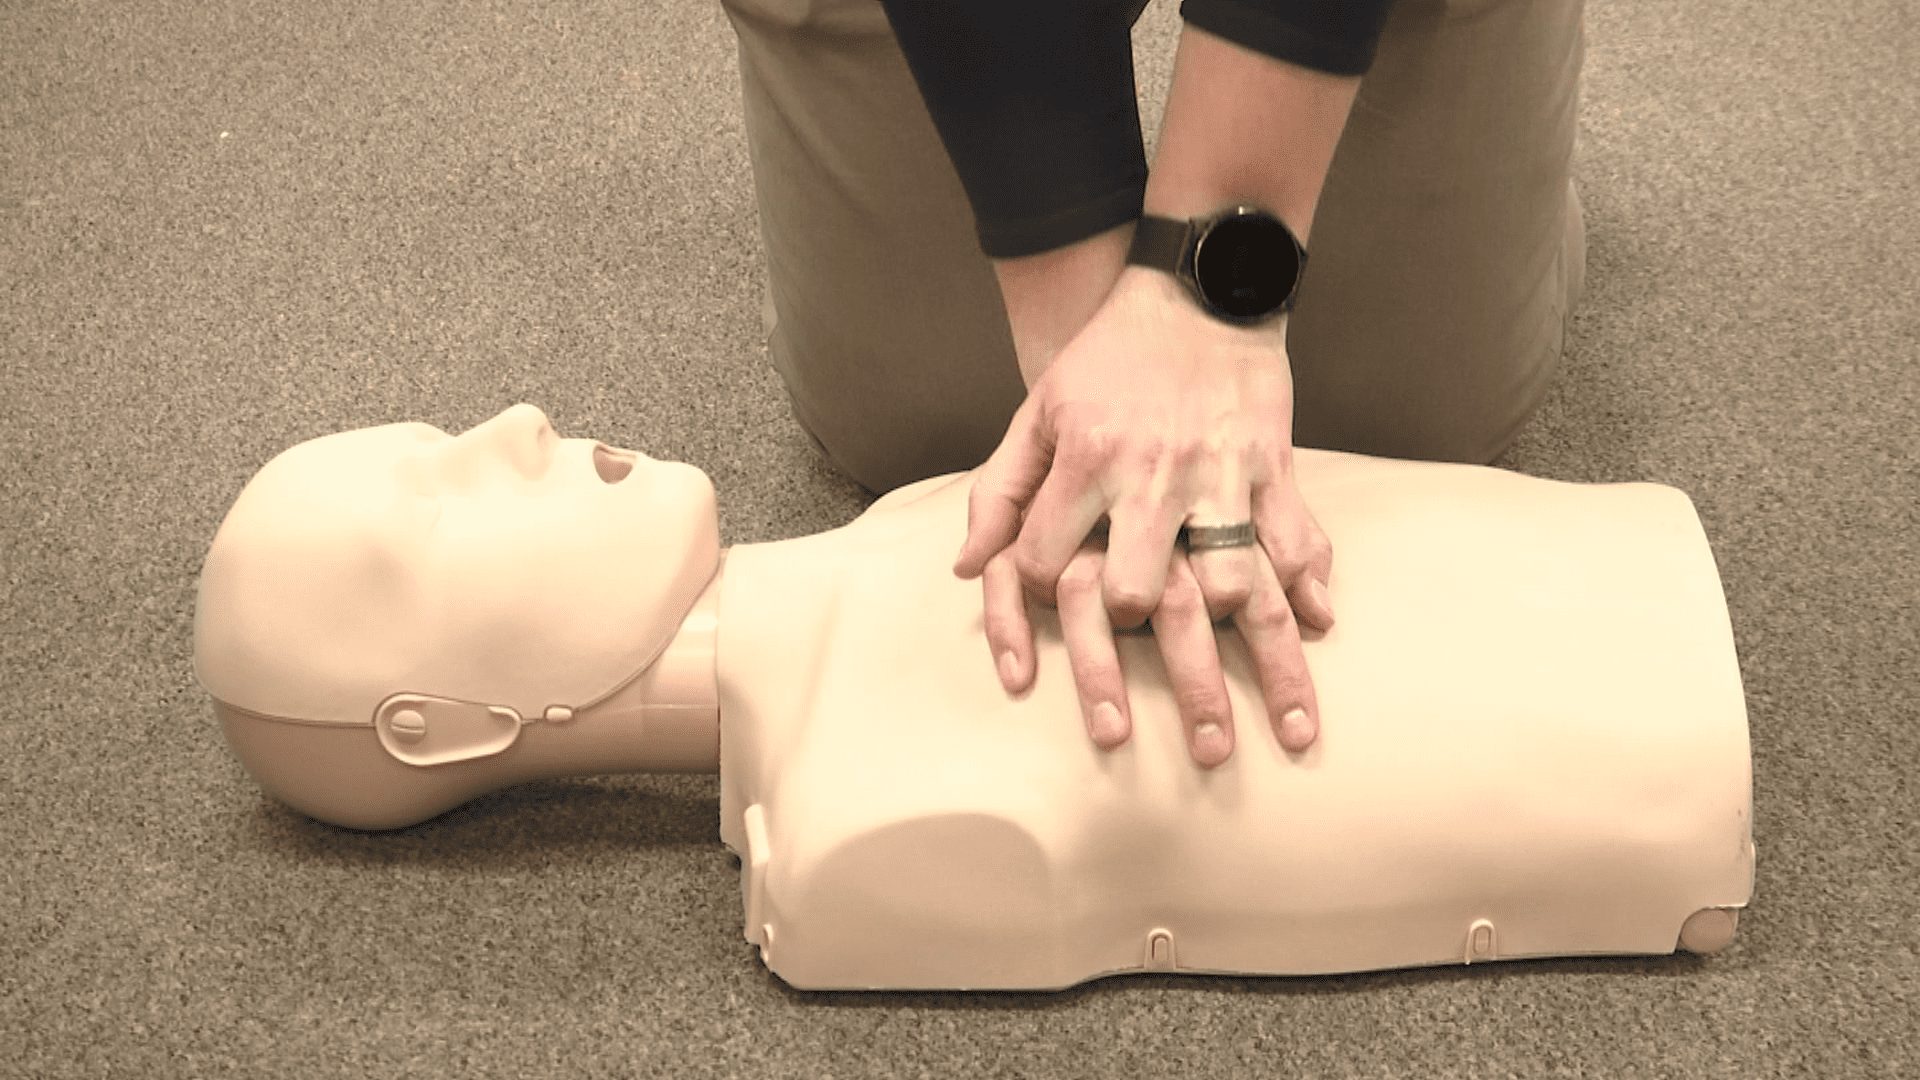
<point>228,226</point>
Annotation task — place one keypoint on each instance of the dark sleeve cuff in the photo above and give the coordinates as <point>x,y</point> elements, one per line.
<point>1035,104</point>
<point>1334,36</point>
<point>1012,238</point>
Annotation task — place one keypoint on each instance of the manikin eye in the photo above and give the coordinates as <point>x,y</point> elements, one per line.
<point>612,465</point>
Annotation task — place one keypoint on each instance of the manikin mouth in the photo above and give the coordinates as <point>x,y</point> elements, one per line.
<point>613,465</point>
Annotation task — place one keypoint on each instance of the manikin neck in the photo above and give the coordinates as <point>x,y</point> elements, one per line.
<point>667,718</point>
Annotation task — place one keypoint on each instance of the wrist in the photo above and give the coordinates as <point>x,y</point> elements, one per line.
<point>1144,284</point>
<point>1240,281</point>
<point>1050,297</point>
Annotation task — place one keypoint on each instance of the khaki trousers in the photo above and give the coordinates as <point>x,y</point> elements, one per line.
<point>1447,247</point>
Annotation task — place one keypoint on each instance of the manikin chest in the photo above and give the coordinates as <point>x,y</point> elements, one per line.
<point>1533,743</point>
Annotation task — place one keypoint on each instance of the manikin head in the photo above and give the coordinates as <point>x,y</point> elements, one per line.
<point>506,569</point>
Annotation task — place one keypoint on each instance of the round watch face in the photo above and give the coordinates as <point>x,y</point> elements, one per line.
<point>1247,265</point>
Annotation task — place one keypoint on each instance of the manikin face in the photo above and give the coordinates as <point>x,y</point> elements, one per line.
<point>507,566</point>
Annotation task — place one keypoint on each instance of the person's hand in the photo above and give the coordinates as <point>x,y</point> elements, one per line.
<point>1155,416</point>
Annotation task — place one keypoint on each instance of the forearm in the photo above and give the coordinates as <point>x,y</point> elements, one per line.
<point>1239,126</point>
<point>1243,127</point>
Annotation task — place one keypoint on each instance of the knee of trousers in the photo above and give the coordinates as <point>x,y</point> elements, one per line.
<point>1448,249</point>
<point>889,406</point>
<point>1432,366</point>
<point>882,316</point>
<point>842,17</point>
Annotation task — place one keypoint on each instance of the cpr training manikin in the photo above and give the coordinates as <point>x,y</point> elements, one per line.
<point>1533,736</point>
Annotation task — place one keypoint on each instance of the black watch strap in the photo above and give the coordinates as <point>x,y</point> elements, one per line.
<point>1159,242</point>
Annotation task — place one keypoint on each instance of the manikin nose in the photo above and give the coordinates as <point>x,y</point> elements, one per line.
<point>520,423</point>
<point>522,437</point>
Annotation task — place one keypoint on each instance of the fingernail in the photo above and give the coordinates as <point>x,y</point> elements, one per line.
<point>1009,670</point>
<point>1320,597</point>
<point>1107,729</point>
<point>1210,744</point>
<point>1295,730</point>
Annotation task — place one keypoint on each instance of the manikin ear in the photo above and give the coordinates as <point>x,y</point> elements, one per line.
<point>423,756</point>
<point>344,776</point>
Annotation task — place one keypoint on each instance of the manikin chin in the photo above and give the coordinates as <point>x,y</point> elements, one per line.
<point>1533,742</point>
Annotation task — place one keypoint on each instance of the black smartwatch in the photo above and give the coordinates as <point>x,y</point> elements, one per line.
<point>1242,265</point>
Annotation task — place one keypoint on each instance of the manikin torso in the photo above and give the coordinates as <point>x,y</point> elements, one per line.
<point>1533,743</point>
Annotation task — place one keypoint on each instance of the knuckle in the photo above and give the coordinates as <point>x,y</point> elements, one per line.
<point>1034,573</point>
<point>1318,550</point>
<point>1232,591</point>
<point>1079,582</point>
<point>1201,703</point>
<point>1189,455</point>
<point>1001,607</point>
<point>1269,619</point>
<point>1265,443</point>
<point>1131,603</point>
<point>1093,676</point>
<point>1001,570</point>
<point>1224,603</point>
<point>1147,443</point>
<point>1005,623</point>
<point>1288,567</point>
<point>988,491</point>
<point>1085,448</point>
<point>1081,570</point>
<point>1223,607</point>
<point>1181,600</point>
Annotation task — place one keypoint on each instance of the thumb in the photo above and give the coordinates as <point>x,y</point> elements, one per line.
<point>1003,487</point>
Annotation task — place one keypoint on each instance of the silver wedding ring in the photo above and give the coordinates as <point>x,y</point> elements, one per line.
<point>1196,537</point>
<point>1203,537</point>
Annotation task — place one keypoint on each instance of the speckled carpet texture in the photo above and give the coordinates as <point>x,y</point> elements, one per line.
<point>229,226</point>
